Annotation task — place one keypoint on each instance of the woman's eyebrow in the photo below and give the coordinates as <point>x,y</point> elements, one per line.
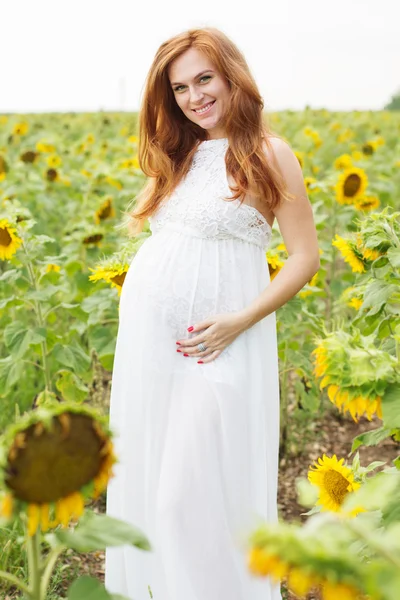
<point>198,75</point>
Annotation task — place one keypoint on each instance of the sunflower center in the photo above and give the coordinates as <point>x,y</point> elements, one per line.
<point>46,465</point>
<point>5,237</point>
<point>336,485</point>
<point>119,279</point>
<point>352,185</point>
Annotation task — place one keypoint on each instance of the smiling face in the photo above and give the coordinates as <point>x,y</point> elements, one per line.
<point>196,85</point>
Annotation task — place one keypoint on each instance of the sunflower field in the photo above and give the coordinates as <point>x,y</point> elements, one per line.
<point>66,181</point>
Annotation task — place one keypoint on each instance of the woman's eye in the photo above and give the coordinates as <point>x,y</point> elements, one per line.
<point>201,78</point>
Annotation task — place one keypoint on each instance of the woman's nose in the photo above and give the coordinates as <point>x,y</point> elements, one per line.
<point>196,95</point>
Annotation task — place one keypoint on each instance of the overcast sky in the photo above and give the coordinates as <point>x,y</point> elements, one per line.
<point>85,55</point>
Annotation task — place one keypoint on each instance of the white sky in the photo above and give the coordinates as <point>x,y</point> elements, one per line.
<point>86,55</point>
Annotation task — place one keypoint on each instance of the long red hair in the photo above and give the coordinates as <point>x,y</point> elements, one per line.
<point>168,139</point>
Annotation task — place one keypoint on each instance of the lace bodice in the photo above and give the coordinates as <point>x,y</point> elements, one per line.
<point>197,204</point>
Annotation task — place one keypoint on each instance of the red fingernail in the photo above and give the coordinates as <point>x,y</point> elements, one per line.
<point>178,350</point>
<point>186,355</point>
<point>178,343</point>
<point>200,362</point>
<point>190,328</point>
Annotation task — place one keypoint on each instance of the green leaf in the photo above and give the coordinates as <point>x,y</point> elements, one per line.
<point>11,371</point>
<point>88,588</point>
<point>98,531</point>
<point>5,301</point>
<point>397,463</point>
<point>370,438</point>
<point>73,357</point>
<point>377,294</point>
<point>391,406</point>
<point>18,338</point>
<point>71,387</point>
<point>45,293</point>
<point>393,255</point>
<point>103,339</point>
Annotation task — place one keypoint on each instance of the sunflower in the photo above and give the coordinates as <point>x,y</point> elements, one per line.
<point>334,481</point>
<point>274,264</point>
<point>262,563</point>
<point>29,156</point>
<point>9,242</point>
<point>370,253</point>
<point>369,148</point>
<point>111,271</point>
<point>130,163</point>
<point>93,239</point>
<point>344,161</point>
<point>310,181</point>
<point>52,175</point>
<point>106,211</point>
<point>3,165</point>
<point>54,458</point>
<point>367,203</point>
<point>351,184</point>
<point>355,303</point>
<point>44,148</point>
<point>353,402</point>
<point>52,267</point>
<point>349,254</point>
<point>20,128</point>
<point>53,161</point>
<point>300,157</point>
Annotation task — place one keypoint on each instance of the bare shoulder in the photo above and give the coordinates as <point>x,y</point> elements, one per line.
<point>295,218</point>
<point>279,152</point>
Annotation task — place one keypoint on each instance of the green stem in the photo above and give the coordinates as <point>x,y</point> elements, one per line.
<point>40,320</point>
<point>15,581</point>
<point>48,568</point>
<point>284,402</point>
<point>34,566</point>
<point>35,364</point>
<point>328,313</point>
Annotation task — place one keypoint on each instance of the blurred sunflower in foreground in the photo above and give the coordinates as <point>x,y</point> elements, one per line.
<point>51,460</point>
<point>9,241</point>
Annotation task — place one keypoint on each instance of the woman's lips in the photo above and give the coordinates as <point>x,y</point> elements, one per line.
<point>211,104</point>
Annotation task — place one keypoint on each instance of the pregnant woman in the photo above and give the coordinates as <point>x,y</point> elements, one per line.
<point>195,387</point>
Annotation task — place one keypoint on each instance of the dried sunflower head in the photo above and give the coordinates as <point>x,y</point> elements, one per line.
<point>51,460</point>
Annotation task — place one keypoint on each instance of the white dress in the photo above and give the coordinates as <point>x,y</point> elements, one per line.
<point>197,443</point>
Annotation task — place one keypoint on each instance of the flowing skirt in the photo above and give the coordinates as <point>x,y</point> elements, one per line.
<point>197,444</point>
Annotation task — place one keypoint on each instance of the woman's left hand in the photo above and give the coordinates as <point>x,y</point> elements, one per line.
<point>216,333</point>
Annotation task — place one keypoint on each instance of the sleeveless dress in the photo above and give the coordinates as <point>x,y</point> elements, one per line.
<point>197,443</point>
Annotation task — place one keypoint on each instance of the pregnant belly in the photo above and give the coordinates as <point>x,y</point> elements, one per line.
<point>185,279</point>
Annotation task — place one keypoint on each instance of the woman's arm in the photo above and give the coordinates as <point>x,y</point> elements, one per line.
<point>296,223</point>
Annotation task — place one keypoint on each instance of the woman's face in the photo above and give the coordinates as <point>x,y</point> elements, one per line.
<point>196,84</point>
